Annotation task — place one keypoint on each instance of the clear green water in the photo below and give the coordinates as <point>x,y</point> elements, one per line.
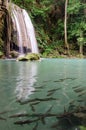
<point>39,92</point>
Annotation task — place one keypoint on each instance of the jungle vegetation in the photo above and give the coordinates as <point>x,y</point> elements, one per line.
<point>60,26</point>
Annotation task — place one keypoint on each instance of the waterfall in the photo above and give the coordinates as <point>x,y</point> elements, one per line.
<point>19,38</point>
<point>30,32</point>
<point>26,40</point>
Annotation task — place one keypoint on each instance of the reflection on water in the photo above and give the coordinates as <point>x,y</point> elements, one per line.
<point>45,95</point>
<point>25,81</point>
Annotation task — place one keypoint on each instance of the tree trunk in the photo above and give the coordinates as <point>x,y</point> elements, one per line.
<point>81,49</point>
<point>65,28</point>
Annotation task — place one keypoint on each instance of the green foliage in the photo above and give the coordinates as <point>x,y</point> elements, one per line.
<point>77,21</point>
<point>1,44</point>
<point>82,128</point>
<point>74,6</point>
<point>48,19</point>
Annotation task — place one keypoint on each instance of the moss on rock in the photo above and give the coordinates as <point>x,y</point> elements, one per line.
<point>32,56</point>
<point>29,57</point>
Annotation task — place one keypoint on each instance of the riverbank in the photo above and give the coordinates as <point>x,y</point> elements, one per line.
<point>62,54</point>
<point>51,53</point>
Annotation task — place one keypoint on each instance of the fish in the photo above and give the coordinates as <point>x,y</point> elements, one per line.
<point>42,86</point>
<point>47,81</point>
<point>50,93</point>
<point>35,103</point>
<point>79,90</point>
<point>35,127</point>
<point>52,90</point>
<point>4,112</point>
<point>49,109</point>
<point>37,99</point>
<point>61,80</point>
<point>57,81</point>
<point>71,102</point>
<point>76,86</point>
<point>82,93</point>
<point>19,115</point>
<point>35,91</point>
<point>80,100</point>
<point>2,118</point>
<point>22,122</point>
<point>42,118</point>
<point>32,108</point>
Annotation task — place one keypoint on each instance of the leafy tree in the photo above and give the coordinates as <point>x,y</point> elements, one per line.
<point>77,23</point>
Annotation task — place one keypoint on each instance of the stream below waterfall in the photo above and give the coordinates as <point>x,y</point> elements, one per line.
<point>38,95</point>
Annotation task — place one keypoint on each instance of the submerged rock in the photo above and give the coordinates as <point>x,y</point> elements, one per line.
<point>29,57</point>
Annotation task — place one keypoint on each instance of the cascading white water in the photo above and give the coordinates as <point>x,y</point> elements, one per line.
<point>19,38</point>
<point>30,32</point>
<point>26,39</point>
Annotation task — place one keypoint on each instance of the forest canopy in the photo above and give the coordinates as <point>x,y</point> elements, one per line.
<point>59,25</point>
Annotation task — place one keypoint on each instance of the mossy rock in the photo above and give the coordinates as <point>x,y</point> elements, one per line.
<point>22,59</point>
<point>29,57</point>
<point>32,56</point>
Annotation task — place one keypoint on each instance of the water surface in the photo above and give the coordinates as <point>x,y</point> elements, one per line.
<point>34,94</point>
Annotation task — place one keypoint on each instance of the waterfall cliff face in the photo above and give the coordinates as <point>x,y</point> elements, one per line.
<point>22,25</point>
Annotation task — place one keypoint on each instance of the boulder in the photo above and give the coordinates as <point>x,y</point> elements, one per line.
<point>32,56</point>
<point>29,57</point>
